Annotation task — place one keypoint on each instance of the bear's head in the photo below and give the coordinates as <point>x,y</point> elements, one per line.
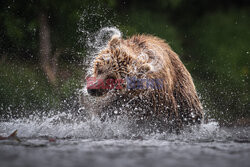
<point>112,66</point>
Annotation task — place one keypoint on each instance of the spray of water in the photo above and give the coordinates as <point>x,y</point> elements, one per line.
<point>66,125</point>
<point>97,41</point>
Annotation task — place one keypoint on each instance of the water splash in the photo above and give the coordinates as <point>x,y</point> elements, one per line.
<point>102,37</point>
<point>99,40</point>
<point>65,125</point>
<point>94,38</point>
<point>94,42</point>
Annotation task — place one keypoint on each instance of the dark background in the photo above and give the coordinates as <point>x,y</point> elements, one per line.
<point>43,45</point>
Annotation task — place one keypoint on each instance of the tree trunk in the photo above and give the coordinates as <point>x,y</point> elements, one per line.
<point>47,60</point>
<point>3,58</point>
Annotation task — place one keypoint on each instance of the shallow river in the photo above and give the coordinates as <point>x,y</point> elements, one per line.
<point>59,140</point>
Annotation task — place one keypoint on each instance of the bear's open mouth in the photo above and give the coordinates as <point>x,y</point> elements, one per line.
<point>99,86</point>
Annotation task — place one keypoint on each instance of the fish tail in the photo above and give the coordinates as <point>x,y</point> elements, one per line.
<point>14,136</point>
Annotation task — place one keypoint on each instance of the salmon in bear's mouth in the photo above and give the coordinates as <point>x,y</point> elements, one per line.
<point>99,87</point>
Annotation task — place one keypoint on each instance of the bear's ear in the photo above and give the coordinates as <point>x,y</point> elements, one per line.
<point>114,42</point>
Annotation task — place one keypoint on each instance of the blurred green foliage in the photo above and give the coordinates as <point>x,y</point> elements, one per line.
<point>147,22</point>
<point>221,50</point>
<point>24,86</point>
<point>211,37</point>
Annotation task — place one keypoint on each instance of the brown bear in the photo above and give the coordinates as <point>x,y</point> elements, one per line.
<point>144,78</point>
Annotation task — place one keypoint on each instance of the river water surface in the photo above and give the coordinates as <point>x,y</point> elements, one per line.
<point>61,140</point>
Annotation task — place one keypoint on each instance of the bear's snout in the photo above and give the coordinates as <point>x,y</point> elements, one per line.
<point>96,88</point>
